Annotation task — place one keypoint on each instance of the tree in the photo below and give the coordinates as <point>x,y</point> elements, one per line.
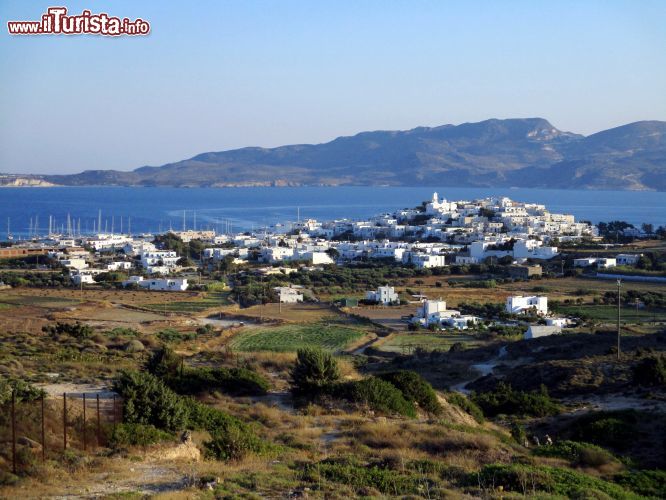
<point>647,228</point>
<point>333,253</point>
<point>314,371</point>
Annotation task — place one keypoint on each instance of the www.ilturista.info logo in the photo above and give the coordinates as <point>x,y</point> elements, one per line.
<point>56,22</point>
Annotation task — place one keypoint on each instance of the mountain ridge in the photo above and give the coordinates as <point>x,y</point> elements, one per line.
<point>515,152</point>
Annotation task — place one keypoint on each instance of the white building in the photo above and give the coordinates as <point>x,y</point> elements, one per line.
<point>533,249</point>
<point>288,295</point>
<point>86,276</point>
<point>158,284</point>
<point>536,331</point>
<point>460,322</point>
<point>586,262</point>
<point>119,266</point>
<point>627,259</point>
<point>159,261</point>
<point>522,305</point>
<point>434,312</point>
<point>425,260</point>
<point>384,295</point>
<point>72,263</point>
<point>108,242</point>
<point>606,263</point>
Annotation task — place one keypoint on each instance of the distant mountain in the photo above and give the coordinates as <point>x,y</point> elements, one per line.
<point>515,152</point>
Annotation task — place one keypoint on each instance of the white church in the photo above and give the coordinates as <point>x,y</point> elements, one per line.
<point>440,207</point>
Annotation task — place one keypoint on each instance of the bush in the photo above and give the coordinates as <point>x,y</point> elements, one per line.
<point>583,454</point>
<point>124,435</point>
<point>527,479</point>
<point>363,476</point>
<point>465,404</point>
<point>234,381</point>
<point>518,432</point>
<point>616,429</point>
<point>23,390</point>
<point>164,362</point>
<point>650,371</point>
<point>76,330</point>
<point>649,483</point>
<point>171,335</point>
<point>506,400</point>
<point>167,365</point>
<point>234,443</point>
<point>147,400</point>
<point>415,389</point>
<point>379,395</point>
<point>315,370</point>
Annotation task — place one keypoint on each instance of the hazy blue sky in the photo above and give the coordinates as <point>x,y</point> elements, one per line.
<point>267,73</point>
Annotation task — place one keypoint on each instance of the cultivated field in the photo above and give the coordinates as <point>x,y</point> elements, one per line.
<point>407,343</point>
<point>288,338</point>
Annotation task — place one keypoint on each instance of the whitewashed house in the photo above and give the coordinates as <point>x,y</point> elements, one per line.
<point>627,259</point>
<point>522,305</point>
<point>384,295</point>
<point>288,295</point>
<point>606,263</point>
<point>586,262</point>
<point>158,284</point>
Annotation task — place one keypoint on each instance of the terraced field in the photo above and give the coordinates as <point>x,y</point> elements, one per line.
<point>289,338</point>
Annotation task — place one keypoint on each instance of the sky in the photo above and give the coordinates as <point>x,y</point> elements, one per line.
<point>217,75</point>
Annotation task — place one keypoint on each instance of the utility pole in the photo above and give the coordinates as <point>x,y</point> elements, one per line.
<point>619,285</point>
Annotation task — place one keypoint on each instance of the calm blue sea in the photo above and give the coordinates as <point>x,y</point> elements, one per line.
<point>152,209</point>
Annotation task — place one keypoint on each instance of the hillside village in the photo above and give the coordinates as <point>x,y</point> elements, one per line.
<point>436,234</point>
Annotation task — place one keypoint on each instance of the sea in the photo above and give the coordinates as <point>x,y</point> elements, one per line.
<point>25,212</point>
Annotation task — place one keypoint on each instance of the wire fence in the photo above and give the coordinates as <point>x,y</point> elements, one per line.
<point>47,427</point>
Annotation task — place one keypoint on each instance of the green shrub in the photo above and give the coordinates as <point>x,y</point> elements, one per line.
<point>24,391</point>
<point>379,395</point>
<point>231,439</point>
<point>649,483</point>
<point>124,435</point>
<point>650,371</point>
<point>164,362</point>
<point>359,476</point>
<point>234,381</point>
<point>171,335</point>
<point>616,429</point>
<point>233,443</point>
<point>167,365</point>
<point>583,454</point>
<point>147,400</point>
<point>465,404</point>
<point>415,389</point>
<point>76,330</point>
<point>528,480</point>
<point>518,432</point>
<point>508,401</point>
<point>315,370</point>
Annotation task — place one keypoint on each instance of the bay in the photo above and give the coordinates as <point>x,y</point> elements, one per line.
<point>241,209</point>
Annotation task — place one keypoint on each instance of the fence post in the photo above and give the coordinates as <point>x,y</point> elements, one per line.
<point>43,433</point>
<point>85,444</point>
<point>14,431</point>
<point>114,411</point>
<point>98,423</point>
<point>64,421</point>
